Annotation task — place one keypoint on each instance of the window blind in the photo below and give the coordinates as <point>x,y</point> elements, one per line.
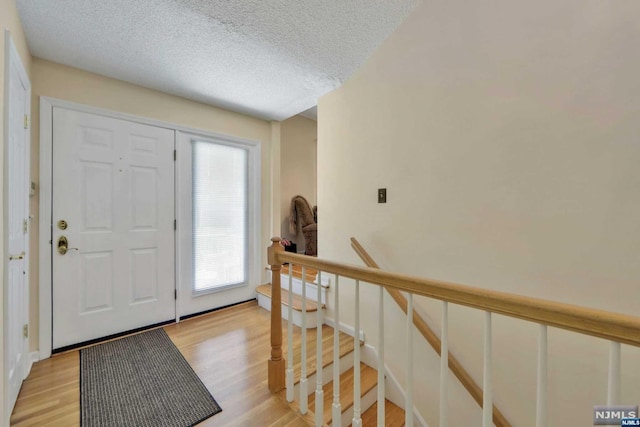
<point>220,215</point>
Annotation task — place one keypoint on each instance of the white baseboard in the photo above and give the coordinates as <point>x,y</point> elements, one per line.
<point>393,390</point>
<point>43,354</point>
<point>366,402</point>
<point>347,329</point>
<point>369,356</point>
<point>32,358</point>
<point>395,393</point>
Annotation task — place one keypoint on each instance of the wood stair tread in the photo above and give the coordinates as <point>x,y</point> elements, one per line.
<point>296,300</point>
<point>299,420</point>
<point>368,380</point>
<point>310,273</point>
<point>393,415</point>
<point>345,344</point>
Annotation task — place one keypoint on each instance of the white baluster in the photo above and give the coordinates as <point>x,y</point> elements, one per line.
<point>319,391</point>
<point>613,391</point>
<point>289,372</point>
<point>336,407</point>
<point>381,391</point>
<point>408,406</point>
<point>356,422</point>
<point>541,397</point>
<point>444,366</point>
<point>487,402</point>
<point>304,403</point>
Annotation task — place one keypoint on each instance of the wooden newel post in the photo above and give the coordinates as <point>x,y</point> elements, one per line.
<point>276,364</point>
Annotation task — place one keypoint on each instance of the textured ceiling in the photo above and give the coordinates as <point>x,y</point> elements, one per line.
<point>267,58</point>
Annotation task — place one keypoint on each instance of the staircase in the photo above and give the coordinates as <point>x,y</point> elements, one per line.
<point>618,329</point>
<point>311,287</point>
<point>368,375</point>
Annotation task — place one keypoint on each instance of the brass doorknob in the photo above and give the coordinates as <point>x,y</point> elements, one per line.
<point>63,246</point>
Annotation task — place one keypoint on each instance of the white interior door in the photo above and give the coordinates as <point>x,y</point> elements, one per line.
<point>113,186</point>
<point>17,306</point>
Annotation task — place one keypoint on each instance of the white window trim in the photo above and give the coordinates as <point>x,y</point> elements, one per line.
<point>45,219</point>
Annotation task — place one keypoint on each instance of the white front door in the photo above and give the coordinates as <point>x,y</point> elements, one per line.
<point>17,152</point>
<point>113,226</point>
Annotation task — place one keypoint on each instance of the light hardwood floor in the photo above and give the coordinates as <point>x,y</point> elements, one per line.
<point>228,349</point>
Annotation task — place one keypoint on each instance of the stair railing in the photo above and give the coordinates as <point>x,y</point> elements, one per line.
<point>617,328</point>
<point>448,360</point>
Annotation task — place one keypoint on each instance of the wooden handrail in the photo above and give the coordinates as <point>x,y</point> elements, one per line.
<point>454,365</point>
<point>598,323</point>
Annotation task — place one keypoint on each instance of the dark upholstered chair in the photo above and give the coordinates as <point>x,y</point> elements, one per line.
<point>302,213</point>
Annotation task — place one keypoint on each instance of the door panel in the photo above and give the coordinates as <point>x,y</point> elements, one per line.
<point>219,222</point>
<point>17,204</point>
<point>113,184</point>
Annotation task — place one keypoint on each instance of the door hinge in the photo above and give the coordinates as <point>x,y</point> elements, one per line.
<point>26,121</point>
<point>175,294</point>
<point>175,155</point>
<point>25,331</point>
<point>175,224</point>
<point>25,225</point>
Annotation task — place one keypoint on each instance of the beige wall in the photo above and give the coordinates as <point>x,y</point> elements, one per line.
<point>297,168</point>
<point>58,81</point>
<point>506,134</point>
<point>9,20</point>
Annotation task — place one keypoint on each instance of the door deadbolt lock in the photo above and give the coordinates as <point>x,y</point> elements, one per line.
<point>63,246</point>
<point>62,224</point>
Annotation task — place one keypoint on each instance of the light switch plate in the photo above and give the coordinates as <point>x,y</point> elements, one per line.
<point>382,195</point>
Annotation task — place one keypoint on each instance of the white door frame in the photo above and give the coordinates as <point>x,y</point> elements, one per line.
<point>12,58</point>
<point>45,221</point>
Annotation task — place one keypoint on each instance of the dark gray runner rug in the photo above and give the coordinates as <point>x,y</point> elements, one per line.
<point>141,380</point>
